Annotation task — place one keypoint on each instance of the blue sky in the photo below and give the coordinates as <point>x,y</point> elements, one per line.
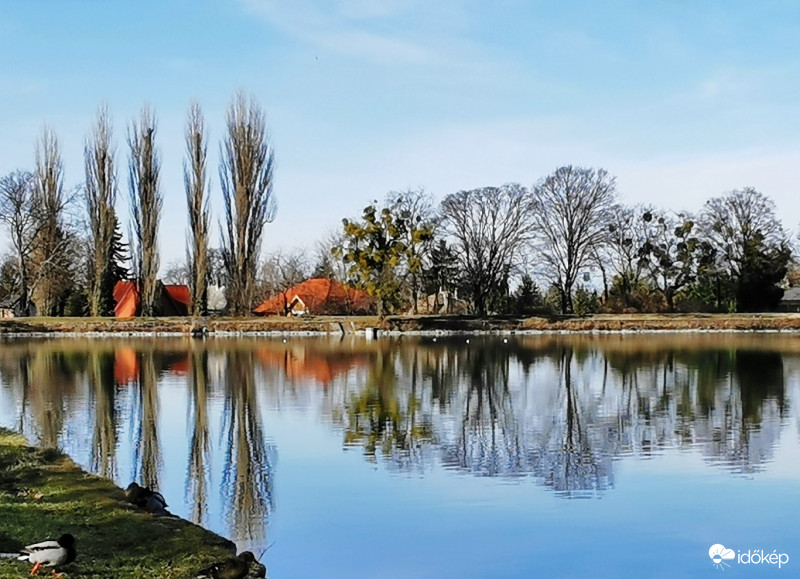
<point>681,100</point>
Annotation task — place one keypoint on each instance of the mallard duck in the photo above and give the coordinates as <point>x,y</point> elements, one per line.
<point>147,499</point>
<point>256,569</point>
<point>239,567</point>
<point>50,553</point>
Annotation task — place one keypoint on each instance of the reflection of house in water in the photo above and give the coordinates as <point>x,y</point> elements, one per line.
<point>126,364</point>
<point>301,363</point>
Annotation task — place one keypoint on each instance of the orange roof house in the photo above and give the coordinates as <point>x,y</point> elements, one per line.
<point>172,300</point>
<point>318,296</point>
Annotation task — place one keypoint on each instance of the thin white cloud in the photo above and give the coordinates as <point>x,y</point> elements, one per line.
<point>376,9</point>
<point>468,156</point>
<point>25,86</point>
<point>368,29</point>
<point>687,182</point>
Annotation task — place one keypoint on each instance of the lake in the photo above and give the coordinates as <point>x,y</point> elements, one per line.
<point>457,456</point>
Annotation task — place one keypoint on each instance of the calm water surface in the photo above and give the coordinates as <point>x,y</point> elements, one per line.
<point>520,457</point>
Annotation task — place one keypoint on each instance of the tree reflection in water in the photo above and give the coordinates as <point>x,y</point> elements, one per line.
<point>248,462</point>
<point>384,418</point>
<point>147,450</point>
<point>52,380</point>
<point>103,390</point>
<point>199,445</point>
<point>489,442</point>
<point>571,410</point>
<point>557,410</point>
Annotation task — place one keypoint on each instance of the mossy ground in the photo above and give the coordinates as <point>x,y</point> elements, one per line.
<point>44,494</point>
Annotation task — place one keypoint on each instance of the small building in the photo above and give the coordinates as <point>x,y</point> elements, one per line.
<point>171,300</point>
<point>790,301</point>
<point>318,296</point>
<point>7,308</point>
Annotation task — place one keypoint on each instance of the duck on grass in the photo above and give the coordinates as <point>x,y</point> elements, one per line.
<point>47,553</point>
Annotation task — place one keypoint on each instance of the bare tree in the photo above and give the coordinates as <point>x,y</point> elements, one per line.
<point>571,210</point>
<point>283,269</point>
<point>737,220</point>
<point>490,226</point>
<point>177,273</point>
<point>246,171</point>
<point>217,274</point>
<point>196,183</point>
<point>628,231</point>
<point>101,195</point>
<point>51,261</point>
<point>146,200</point>
<point>18,213</point>
<point>752,247</point>
<point>327,264</point>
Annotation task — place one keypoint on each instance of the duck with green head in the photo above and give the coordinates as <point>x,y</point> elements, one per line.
<point>244,565</point>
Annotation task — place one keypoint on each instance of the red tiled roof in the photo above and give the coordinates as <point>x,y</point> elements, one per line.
<point>180,293</point>
<point>320,296</point>
<point>173,300</point>
<point>127,297</point>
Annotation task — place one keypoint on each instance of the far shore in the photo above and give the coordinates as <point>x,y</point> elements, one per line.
<point>374,325</point>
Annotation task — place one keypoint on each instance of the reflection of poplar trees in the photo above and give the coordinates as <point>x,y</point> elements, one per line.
<point>247,475</point>
<point>147,459</point>
<point>23,377</point>
<point>103,391</point>
<point>199,447</point>
<point>53,381</point>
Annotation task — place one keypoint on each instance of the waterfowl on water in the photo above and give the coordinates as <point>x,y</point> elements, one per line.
<point>242,566</point>
<point>147,499</point>
<point>50,553</point>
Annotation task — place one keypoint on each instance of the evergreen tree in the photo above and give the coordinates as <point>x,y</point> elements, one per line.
<point>115,272</point>
<point>528,297</point>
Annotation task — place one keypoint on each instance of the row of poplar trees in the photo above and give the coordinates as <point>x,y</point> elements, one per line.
<point>34,206</point>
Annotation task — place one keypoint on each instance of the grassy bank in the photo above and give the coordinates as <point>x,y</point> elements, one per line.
<point>44,494</point>
<point>352,324</point>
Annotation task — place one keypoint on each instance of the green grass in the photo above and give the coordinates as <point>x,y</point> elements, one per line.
<point>44,494</point>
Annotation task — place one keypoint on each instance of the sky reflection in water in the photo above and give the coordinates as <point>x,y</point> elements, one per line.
<point>415,458</point>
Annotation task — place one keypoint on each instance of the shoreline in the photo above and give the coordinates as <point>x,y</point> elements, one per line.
<point>371,326</point>
<point>44,493</point>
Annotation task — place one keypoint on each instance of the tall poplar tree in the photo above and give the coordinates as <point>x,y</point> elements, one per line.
<point>196,182</point>
<point>146,200</point>
<point>246,177</point>
<point>101,195</point>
